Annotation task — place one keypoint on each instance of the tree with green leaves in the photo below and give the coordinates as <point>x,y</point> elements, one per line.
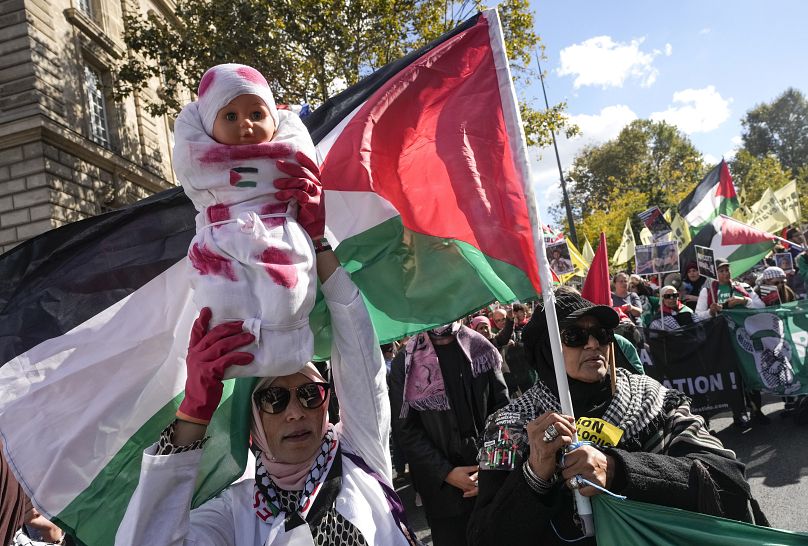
<point>649,163</point>
<point>308,49</point>
<point>779,128</point>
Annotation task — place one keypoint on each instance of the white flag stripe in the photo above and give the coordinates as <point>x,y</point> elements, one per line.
<point>353,212</point>
<point>129,363</point>
<point>705,210</point>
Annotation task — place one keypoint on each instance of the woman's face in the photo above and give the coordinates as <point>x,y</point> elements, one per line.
<point>671,300</point>
<point>621,284</point>
<point>693,274</point>
<point>484,329</point>
<point>295,434</point>
<point>587,363</point>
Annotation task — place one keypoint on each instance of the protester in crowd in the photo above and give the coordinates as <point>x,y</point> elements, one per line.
<point>674,315</point>
<point>482,325</point>
<point>520,375</point>
<point>724,292</point>
<point>445,384</point>
<point>315,483</point>
<point>640,286</point>
<point>628,302</point>
<point>664,454</point>
<point>714,297</point>
<point>499,319</point>
<point>692,285</point>
<point>772,288</point>
<point>37,530</point>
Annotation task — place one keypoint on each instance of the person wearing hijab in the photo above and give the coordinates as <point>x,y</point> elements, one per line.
<point>314,483</point>
<point>645,443</point>
<point>674,313</point>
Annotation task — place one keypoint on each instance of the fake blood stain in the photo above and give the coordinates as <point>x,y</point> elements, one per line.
<point>279,267</point>
<point>273,208</point>
<point>220,153</point>
<point>218,213</point>
<point>209,263</point>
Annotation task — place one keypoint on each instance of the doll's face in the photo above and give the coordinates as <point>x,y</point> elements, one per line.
<point>244,120</point>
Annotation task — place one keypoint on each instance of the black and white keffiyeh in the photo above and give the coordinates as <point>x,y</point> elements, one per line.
<point>653,417</point>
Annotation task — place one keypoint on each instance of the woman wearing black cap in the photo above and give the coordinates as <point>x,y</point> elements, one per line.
<point>645,442</point>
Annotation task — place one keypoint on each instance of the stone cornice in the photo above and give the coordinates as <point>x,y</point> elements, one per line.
<point>39,128</point>
<point>91,29</point>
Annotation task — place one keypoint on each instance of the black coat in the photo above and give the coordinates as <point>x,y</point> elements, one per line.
<point>431,440</point>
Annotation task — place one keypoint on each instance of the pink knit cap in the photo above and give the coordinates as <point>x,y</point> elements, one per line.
<point>224,82</point>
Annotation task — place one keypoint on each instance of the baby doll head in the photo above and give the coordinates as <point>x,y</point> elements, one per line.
<point>236,105</point>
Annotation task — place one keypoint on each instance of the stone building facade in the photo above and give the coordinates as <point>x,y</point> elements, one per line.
<point>67,151</point>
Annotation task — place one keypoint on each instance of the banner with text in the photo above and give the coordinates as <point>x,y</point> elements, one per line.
<point>771,346</point>
<point>699,361</point>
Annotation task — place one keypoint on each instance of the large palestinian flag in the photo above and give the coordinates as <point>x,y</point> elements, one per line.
<point>714,195</point>
<point>742,245</point>
<point>427,196</point>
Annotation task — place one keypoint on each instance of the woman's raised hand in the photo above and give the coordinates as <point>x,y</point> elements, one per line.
<point>210,353</point>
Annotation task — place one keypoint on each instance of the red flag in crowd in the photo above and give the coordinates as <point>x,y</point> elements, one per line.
<point>596,285</point>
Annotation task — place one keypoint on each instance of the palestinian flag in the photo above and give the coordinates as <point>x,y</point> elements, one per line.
<point>742,245</point>
<point>714,195</point>
<point>429,203</point>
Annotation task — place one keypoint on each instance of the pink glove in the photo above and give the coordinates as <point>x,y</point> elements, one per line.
<point>210,353</point>
<point>305,188</point>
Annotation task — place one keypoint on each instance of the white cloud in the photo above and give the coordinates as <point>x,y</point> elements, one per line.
<point>668,50</point>
<point>710,159</point>
<point>595,129</point>
<point>696,110</point>
<point>737,142</point>
<point>705,30</point>
<point>604,62</point>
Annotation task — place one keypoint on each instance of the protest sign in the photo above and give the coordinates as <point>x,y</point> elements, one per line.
<point>771,346</point>
<point>559,255</point>
<point>705,260</point>
<point>697,360</point>
<point>655,221</point>
<point>666,257</point>
<point>644,258</point>
<point>784,261</point>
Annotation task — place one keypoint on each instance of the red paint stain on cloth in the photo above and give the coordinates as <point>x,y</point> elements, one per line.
<point>273,208</point>
<point>220,153</point>
<point>218,213</point>
<point>279,267</point>
<point>208,262</point>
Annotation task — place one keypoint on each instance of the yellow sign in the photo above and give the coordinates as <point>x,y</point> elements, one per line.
<point>598,431</point>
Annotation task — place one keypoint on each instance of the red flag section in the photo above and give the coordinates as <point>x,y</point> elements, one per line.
<point>433,142</point>
<point>725,187</point>
<point>738,233</point>
<point>597,285</point>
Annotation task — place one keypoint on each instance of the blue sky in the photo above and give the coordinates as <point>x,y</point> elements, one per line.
<point>699,64</point>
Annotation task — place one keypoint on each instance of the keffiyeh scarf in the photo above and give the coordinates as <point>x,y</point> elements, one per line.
<point>424,388</point>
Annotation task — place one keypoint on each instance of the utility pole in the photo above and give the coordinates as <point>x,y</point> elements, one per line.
<point>567,207</point>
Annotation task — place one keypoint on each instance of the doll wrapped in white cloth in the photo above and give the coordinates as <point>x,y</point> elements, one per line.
<point>250,259</point>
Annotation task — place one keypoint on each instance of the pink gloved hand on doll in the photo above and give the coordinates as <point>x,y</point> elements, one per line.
<point>303,186</point>
<point>210,353</point>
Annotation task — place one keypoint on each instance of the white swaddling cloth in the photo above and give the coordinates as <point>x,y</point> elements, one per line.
<point>250,258</point>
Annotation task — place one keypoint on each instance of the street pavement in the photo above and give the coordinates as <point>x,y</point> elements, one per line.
<point>776,458</point>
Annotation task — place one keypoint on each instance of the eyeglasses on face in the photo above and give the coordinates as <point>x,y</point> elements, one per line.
<point>578,336</point>
<point>274,399</point>
<point>670,296</point>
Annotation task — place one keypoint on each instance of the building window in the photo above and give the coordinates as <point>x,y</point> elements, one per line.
<point>99,129</point>
<point>86,6</point>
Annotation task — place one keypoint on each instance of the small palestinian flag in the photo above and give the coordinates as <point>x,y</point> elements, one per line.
<point>430,206</point>
<point>714,195</point>
<point>742,245</point>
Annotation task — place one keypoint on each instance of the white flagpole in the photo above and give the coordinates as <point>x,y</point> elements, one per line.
<point>513,122</point>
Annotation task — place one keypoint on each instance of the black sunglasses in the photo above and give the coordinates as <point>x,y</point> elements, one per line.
<point>670,296</point>
<point>275,399</point>
<point>577,336</point>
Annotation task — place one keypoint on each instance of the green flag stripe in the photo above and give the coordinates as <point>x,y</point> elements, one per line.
<point>426,281</point>
<point>97,511</point>
<point>746,256</point>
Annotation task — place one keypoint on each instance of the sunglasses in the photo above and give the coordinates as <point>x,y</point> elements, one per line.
<point>577,336</point>
<point>670,296</point>
<point>275,399</point>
